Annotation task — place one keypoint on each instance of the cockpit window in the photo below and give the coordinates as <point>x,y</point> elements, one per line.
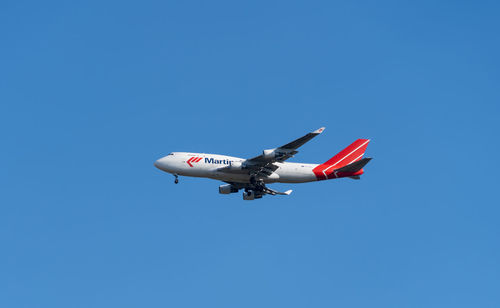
<point>170,154</point>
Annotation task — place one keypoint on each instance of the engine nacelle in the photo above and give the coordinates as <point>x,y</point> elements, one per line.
<point>276,153</point>
<point>227,189</point>
<point>235,165</point>
<point>269,154</point>
<point>250,195</point>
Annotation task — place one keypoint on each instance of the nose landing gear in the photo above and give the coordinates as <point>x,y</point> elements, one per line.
<point>176,181</point>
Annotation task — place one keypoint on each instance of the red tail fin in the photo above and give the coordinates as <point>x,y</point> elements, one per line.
<point>352,153</point>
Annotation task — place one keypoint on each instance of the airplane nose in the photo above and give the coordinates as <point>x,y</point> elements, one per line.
<point>165,164</point>
<point>160,163</point>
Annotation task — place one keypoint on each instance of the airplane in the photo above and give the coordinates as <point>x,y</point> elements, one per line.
<point>253,174</point>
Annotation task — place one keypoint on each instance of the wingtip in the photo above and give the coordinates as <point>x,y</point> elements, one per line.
<point>288,192</point>
<point>319,130</point>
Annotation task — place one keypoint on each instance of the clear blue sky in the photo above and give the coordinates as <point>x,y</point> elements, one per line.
<point>93,92</point>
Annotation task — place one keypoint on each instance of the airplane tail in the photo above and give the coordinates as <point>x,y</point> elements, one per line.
<point>348,162</point>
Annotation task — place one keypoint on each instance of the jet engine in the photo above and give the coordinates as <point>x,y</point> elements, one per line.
<point>235,165</point>
<point>227,189</point>
<point>269,154</point>
<point>276,153</point>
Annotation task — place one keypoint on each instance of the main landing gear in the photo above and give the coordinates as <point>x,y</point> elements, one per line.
<point>176,181</point>
<point>257,183</point>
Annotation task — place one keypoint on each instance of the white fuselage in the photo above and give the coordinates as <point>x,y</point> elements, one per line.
<point>209,165</point>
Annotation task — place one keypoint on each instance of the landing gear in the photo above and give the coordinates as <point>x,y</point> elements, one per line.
<point>176,181</point>
<point>258,184</point>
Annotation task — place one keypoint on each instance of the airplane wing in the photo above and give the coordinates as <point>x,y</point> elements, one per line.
<point>263,165</point>
<point>275,192</point>
<point>284,152</point>
<point>260,189</point>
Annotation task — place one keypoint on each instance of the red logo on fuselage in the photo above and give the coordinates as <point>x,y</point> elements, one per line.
<point>193,160</point>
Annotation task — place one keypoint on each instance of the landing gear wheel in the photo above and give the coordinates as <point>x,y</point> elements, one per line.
<point>176,181</point>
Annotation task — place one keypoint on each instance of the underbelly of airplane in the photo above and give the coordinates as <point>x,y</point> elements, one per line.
<point>276,177</point>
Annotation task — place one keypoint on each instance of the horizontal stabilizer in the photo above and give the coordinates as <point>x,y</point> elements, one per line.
<point>355,166</point>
